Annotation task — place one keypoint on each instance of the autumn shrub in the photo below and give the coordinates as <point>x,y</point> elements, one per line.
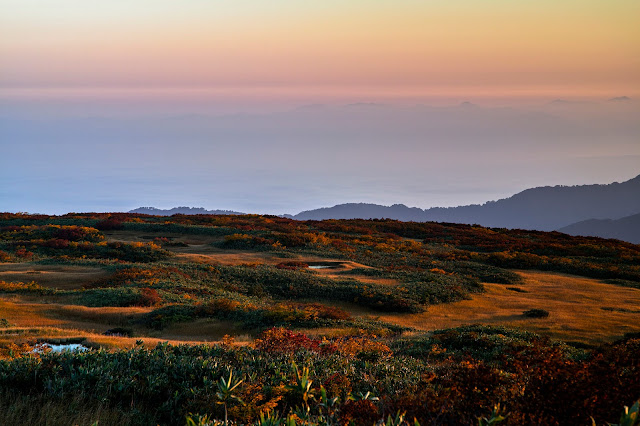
<point>22,253</point>
<point>478,341</point>
<point>244,241</point>
<point>51,231</point>
<point>293,265</point>
<point>360,347</point>
<point>12,350</point>
<point>291,313</point>
<point>282,340</point>
<point>453,392</point>
<point>20,287</point>
<point>166,315</point>
<point>131,252</point>
<point>77,233</point>
<point>339,385</point>
<point>291,240</point>
<point>118,297</point>
<point>360,413</point>
<point>260,316</point>
<point>149,297</point>
<point>536,383</point>
<point>139,277</point>
<point>110,224</point>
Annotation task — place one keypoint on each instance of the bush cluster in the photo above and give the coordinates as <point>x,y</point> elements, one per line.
<point>345,380</point>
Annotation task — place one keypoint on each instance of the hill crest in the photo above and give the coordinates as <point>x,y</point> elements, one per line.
<point>545,208</point>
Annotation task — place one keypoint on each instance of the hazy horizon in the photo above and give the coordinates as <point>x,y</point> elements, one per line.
<point>331,155</point>
<point>284,107</point>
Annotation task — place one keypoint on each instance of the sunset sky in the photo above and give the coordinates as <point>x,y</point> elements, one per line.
<point>577,47</point>
<point>122,60</point>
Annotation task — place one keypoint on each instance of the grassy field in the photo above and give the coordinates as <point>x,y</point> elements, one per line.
<point>379,291</point>
<point>581,309</point>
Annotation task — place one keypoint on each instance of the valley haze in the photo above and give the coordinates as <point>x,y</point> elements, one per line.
<point>57,158</point>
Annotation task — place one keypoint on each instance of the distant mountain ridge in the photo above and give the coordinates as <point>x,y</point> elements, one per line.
<point>543,208</point>
<point>180,210</point>
<point>626,228</point>
<point>604,210</point>
<point>363,211</point>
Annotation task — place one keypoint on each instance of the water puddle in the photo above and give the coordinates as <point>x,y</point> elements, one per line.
<point>64,347</point>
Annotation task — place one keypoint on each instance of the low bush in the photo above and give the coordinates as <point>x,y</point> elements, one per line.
<point>119,297</point>
<point>289,373</point>
<point>293,265</point>
<point>110,224</point>
<point>536,313</point>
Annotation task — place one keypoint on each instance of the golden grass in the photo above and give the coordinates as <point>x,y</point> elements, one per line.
<point>362,278</point>
<point>21,313</point>
<point>581,309</point>
<point>575,305</point>
<point>42,320</point>
<point>204,329</point>
<point>24,314</point>
<point>33,335</point>
<point>66,277</point>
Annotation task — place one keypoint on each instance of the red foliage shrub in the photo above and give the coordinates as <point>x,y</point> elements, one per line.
<point>363,412</point>
<point>140,276</point>
<point>57,243</point>
<point>338,385</point>
<point>70,233</point>
<point>23,253</point>
<point>218,305</point>
<point>10,228</point>
<point>282,340</point>
<point>291,240</point>
<point>149,297</point>
<point>110,224</point>
<point>328,312</point>
<point>361,347</point>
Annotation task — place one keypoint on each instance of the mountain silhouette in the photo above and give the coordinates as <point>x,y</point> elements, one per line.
<point>179,210</point>
<point>626,228</point>
<point>620,99</point>
<point>544,208</point>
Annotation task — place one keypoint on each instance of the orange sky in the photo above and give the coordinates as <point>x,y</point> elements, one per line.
<point>585,47</point>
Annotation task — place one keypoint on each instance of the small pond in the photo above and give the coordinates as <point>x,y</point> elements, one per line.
<point>64,347</point>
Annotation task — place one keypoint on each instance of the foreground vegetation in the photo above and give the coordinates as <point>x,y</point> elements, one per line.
<point>314,360</point>
<point>452,377</point>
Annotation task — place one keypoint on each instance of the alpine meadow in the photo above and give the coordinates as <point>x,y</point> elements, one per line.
<point>362,213</point>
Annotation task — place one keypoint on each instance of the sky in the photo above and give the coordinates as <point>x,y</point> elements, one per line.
<point>281,106</point>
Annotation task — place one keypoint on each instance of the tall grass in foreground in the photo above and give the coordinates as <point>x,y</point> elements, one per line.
<point>18,409</point>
